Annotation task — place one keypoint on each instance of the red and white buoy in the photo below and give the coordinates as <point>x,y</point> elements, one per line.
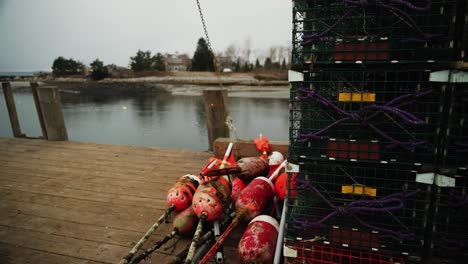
<point>258,242</point>
<point>210,198</point>
<point>275,158</point>
<point>250,203</point>
<point>209,201</point>
<point>181,194</point>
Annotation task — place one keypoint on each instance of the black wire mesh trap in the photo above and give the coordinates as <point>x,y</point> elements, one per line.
<point>372,31</point>
<point>314,253</point>
<point>455,145</point>
<point>378,115</point>
<point>450,232</point>
<point>360,206</point>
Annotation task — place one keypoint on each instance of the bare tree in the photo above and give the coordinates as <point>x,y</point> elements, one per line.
<point>247,48</point>
<point>232,51</point>
<point>272,53</point>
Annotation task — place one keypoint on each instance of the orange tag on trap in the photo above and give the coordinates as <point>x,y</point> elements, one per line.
<point>359,190</point>
<point>356,97</point>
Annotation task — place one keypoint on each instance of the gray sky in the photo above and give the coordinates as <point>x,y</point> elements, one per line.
<point>34,32</point>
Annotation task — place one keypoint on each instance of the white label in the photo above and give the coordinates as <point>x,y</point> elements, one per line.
<point>291,167</point>
<point>427,178</point>
<point>294,76</point>
<point>444,181</point>
<point>289,252</point>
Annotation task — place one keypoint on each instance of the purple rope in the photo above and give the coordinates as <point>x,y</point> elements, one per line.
<point>454,244</point>
<point>365,114</point>
<point>461,147</point>
<point>457,201</point>
<point>317,37</point>
<point>401,2</point>
<point>388,203</point>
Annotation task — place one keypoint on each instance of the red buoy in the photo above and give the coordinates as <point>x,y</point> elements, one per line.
<point>185,221</point>
<point>210,198</point>
<point>258,243</point>
<point>181,194</point>
<point>281,185</point>
<point>237,186</point>
<point>250,203</point>
<point>254,198</point>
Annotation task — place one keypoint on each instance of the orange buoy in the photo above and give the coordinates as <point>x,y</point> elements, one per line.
<point>210,198</point>
<point>281,185</point>
<point>181,194</point>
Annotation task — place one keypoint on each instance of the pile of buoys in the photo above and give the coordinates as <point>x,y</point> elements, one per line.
<point>226,193</point>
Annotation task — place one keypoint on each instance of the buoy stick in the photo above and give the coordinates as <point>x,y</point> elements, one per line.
<point>157,245</point>
<point>196,238</point>
<point>220,240</point>
<point>279,241</point>
<point>274,175</point>
<point>205,237</point>
<point>227,154</point>
<point>148,234</point>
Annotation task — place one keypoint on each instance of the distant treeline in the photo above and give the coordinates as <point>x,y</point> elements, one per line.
<point>202,60</point>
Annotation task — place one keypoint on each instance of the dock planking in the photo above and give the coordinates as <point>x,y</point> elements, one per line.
<point>70,202</point>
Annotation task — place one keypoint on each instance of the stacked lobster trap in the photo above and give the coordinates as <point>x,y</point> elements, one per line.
<point>378,129</point>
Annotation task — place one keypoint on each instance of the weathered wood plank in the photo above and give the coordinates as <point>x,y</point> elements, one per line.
<point>216,113</point>
<point>49,99</point>
<point>246,148</point>
<point>10,254</point>
<point>96,199</point>
<point>40,116</point>
<point>11,107</point>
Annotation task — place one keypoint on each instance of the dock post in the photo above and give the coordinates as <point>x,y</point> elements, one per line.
<point>49,99</point>
<point>10,103</point>
<point>34,87</point>
<point>216,113</point>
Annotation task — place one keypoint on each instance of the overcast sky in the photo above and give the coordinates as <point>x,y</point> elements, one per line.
<point>34,32</point>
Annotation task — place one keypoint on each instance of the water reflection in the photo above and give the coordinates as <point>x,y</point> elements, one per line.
<point>152,118</point>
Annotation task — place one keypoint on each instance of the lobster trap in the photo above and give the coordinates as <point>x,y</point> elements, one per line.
<point>390,114</point>
<point>314,253</point>
<point>351,31</point>
<point>455,144</point>
<point>360,206</point>
<point>449,230</point>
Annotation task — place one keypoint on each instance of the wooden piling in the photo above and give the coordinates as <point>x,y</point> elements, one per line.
<point>51,107</point>
<point>10,103</point>
<point>216,113</point>
<point>34,87</point>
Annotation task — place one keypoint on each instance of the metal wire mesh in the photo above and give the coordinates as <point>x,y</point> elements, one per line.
<point>386,114</point>
<point>455,145</point>
<point>313,253</point>
<point>450,235</point>
<point>360,206</point>
<point>346,31</point>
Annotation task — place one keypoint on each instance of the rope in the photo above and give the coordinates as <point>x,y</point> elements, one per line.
<point>364,116</point>
<point>315,38</point>
<point>388,203</point>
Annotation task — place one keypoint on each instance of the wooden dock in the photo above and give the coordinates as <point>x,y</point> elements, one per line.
<point>69,202</point>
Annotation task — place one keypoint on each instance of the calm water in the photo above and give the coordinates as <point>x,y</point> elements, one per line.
<point>155,118</point>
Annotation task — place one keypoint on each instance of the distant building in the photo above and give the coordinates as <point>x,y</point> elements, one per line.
<point>177,62</point>
<point>119,71</point>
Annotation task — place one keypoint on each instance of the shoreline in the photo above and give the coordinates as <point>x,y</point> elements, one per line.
<point>182,78</point>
